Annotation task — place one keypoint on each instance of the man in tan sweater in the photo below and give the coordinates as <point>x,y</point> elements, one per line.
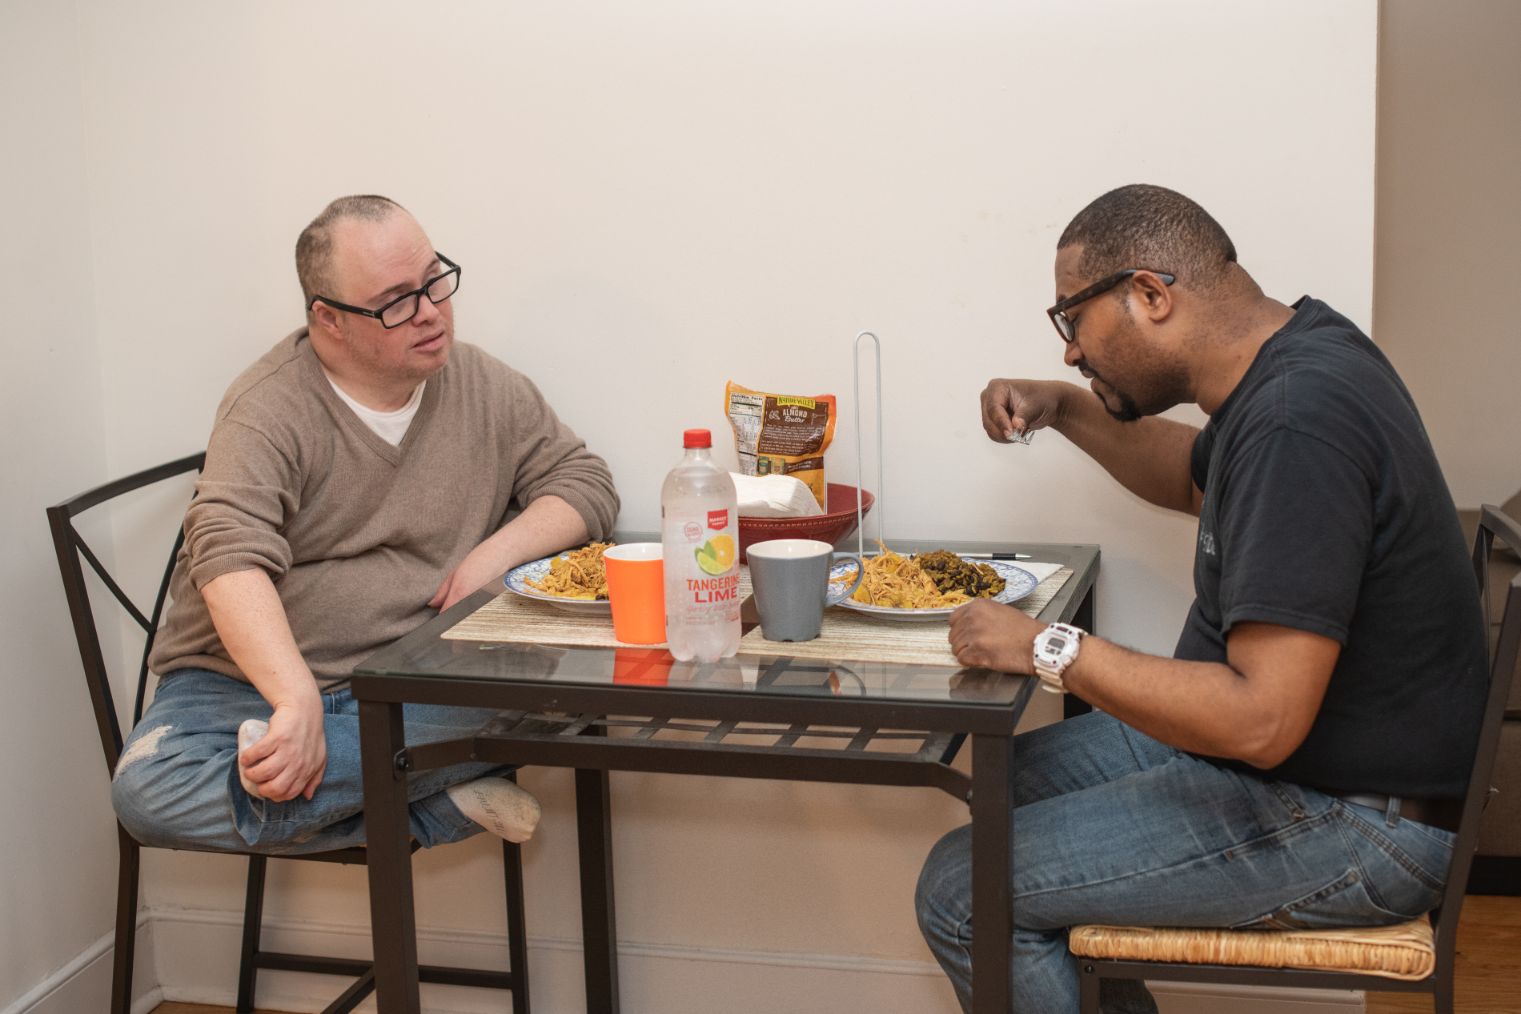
<point>359,477</point>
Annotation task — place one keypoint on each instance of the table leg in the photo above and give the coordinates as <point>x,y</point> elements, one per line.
<point>992,906</point>
<point>389,859</point>
<point>1083,617</point>
<point>599,931</point>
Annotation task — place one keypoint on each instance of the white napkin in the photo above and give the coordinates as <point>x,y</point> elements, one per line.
<point>1040,570</point>
<point>774,496</point>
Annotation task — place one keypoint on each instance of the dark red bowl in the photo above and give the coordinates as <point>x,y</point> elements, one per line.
<point>837,521</point>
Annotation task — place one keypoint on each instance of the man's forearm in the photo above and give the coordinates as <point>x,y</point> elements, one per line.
<point>1151,457</point>
<point>1257,707</point>
<point>1200,707</point>
<point>250,619</point>
<point>547,525</point>
<point>289,760</point>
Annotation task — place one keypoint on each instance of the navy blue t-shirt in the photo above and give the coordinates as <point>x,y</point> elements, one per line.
<point>1324,510</point>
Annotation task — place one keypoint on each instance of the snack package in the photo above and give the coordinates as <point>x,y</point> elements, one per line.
<point>781,434</point>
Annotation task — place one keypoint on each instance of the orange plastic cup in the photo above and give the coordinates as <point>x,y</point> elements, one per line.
<point>636,590</point>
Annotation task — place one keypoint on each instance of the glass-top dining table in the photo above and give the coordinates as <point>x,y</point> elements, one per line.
<point>868,702</point>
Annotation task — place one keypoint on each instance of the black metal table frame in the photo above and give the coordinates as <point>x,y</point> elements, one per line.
<point>580,742</point>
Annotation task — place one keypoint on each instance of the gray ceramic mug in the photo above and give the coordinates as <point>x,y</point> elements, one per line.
<point>791,582</point>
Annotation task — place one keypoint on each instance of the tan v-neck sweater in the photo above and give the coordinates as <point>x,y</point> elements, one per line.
<point>357,534</point>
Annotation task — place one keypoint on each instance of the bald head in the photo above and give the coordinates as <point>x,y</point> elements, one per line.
<point>314,247</point>
<point>1145,226</point>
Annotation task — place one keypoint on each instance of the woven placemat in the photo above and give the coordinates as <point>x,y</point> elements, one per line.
<point>846,635</point>
<point>849,636</point>
<point>513,618</point>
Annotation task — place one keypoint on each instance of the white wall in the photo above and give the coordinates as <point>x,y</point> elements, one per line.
<point>649,200</point>
<point>57,838</point>
<point>1449,212</point>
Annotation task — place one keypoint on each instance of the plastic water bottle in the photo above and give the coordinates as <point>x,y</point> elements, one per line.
<point>699,529</point>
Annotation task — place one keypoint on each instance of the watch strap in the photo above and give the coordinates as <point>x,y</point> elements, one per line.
<point>1051,672</point>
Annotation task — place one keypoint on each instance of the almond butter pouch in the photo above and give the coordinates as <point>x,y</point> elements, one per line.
<point>781,434</point>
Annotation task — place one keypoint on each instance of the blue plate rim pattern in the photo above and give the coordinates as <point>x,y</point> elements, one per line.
<point>516,581</point>
<point>1018,584</point>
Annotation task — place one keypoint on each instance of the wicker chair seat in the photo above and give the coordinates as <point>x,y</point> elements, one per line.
<point>1403,951</point>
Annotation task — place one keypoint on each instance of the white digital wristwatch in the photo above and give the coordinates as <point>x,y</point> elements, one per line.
<point>1055,649</point>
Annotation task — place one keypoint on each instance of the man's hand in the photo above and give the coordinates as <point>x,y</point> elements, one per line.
<point>483,564</point>
<point>290,759</point>
<point>1014,408</point>
<point>994,636</point>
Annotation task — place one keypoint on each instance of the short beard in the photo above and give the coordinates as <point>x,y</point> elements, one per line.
<point>1128,411</point>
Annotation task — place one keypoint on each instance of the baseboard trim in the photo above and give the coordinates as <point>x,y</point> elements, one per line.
<point>1495,875</point>
<point>198,962</point>
<point>84,982</point>
<point>197,955</point>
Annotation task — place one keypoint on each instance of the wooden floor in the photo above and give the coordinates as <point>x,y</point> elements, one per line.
<point>1489,967</point>
<point>1489,963</point>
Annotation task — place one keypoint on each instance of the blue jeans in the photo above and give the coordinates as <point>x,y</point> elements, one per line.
<point>1111,826</point>
<point>176,784</point>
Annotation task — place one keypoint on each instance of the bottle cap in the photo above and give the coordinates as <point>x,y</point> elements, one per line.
<point>696,438</point>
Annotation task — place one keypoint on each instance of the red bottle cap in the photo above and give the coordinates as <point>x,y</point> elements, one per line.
<point>696,438</point>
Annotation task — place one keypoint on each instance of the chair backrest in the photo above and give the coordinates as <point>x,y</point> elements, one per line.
<point>73,552</point>
<point>1502,667</point>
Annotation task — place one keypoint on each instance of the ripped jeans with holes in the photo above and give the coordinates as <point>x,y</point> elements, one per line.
<point>176,784</point>
<point>1111,826</point>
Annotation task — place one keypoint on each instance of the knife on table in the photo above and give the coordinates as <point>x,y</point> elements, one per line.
<point>995,556</point>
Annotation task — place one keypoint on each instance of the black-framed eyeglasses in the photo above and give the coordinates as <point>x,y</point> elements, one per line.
<point>405,306</point>
<point>1058,313</point>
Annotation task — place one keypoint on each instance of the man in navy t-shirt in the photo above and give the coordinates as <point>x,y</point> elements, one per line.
<point>1298,762</point>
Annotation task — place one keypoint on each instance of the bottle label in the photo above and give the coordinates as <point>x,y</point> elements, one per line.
<point>717,558</point>
<point>702,578</point>
<point>722,589</point>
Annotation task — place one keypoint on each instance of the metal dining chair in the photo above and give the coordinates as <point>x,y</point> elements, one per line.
<point>73,552</point>
<point>1416,956</point>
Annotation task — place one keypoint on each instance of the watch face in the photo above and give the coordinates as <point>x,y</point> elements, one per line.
<point>1056,643</point>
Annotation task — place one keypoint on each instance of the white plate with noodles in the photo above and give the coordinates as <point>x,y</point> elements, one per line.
<point>573,585</point>
<point>1018,583</point>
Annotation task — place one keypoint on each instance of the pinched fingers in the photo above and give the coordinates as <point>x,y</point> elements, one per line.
<point>1012,410</point>
<point>999,399</point>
